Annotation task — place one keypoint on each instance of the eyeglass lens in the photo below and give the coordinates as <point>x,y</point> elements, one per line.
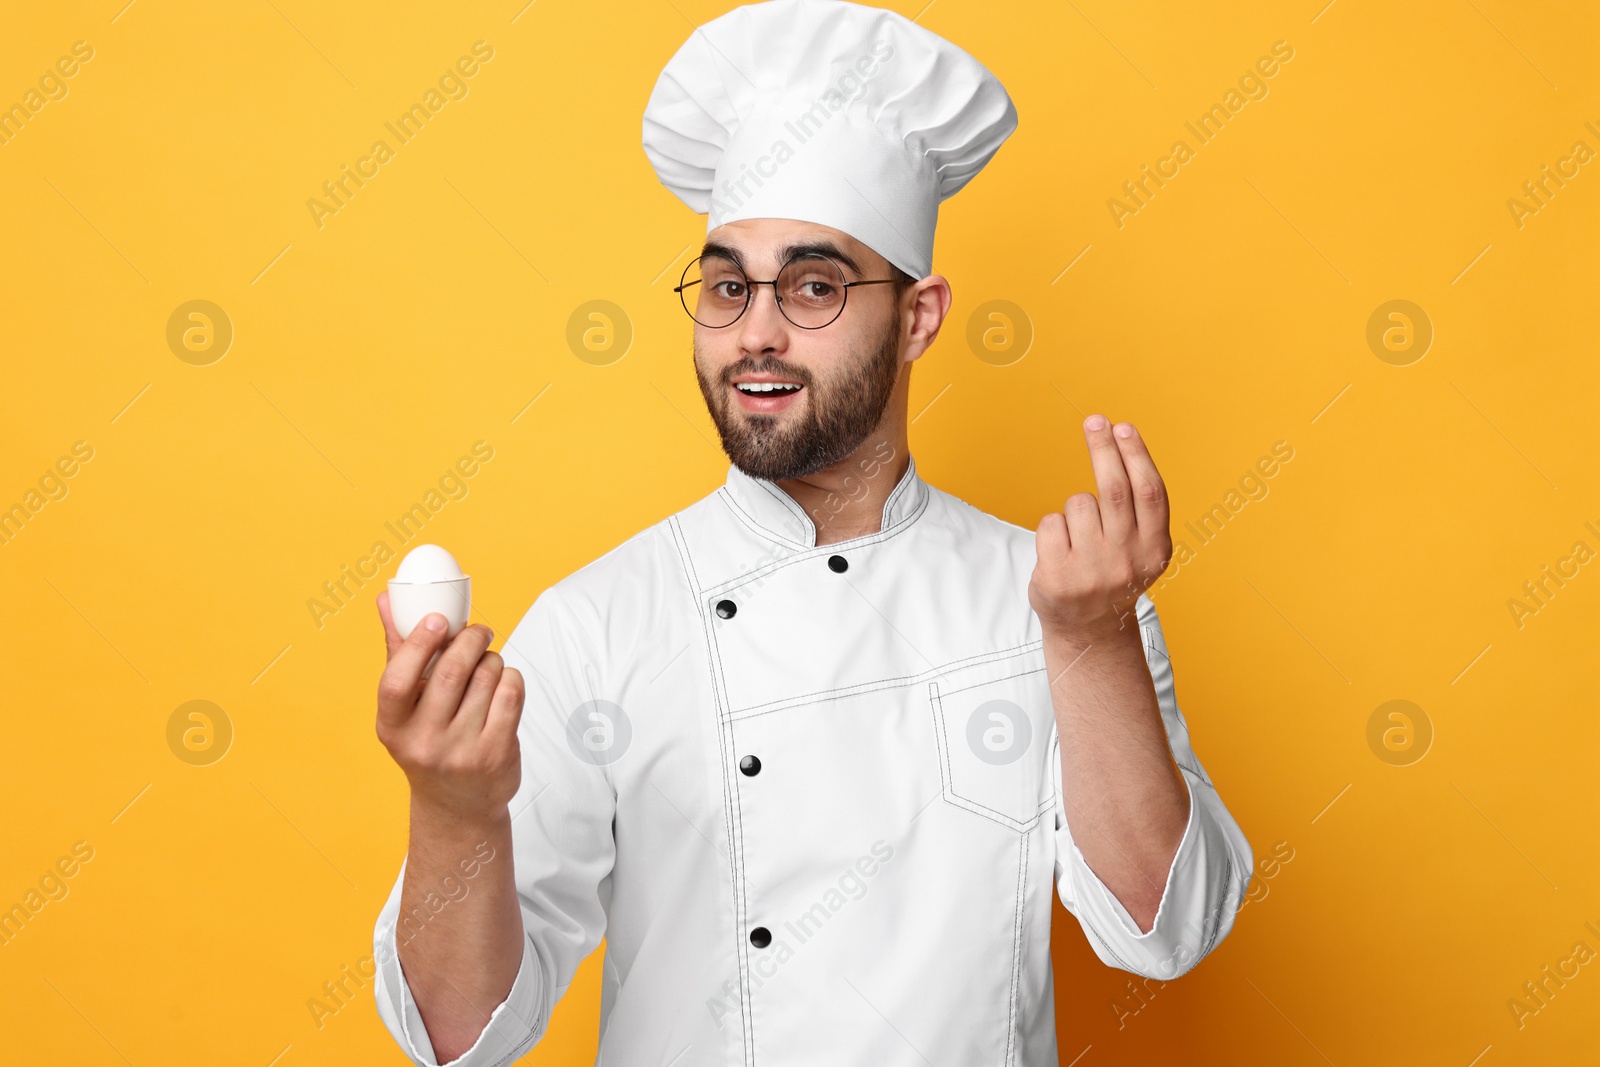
<point>810,290</point>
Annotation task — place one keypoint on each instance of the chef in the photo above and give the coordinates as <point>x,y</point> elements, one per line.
<point>814,754</point>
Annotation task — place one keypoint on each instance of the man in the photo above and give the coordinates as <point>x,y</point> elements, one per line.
<point>813,754</point>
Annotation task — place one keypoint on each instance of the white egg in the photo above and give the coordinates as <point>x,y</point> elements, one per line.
<point>428,563</point>
<point>429,580</point>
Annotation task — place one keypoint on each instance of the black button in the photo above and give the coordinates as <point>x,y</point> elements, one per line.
<point>761,937</point>
<point>750,765</point>
<point>726,608</point>
<point>838,564</point>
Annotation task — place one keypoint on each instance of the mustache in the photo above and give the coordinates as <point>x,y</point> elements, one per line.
<point>745,366</point>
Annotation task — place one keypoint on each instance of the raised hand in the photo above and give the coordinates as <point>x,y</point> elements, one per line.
<point>454,733</point>
<point>1096,556</point>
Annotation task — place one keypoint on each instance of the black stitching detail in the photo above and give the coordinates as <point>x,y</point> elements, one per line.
<point>755,527</point>
<point>1016,951</point>
<point>730,823</point>
<point>682,545</point>
<point>885,683</point>
<point>805,552</point>
<point>991,681</point>
<point>946,776</point>
<point>1124,964</point>
<point>793,506</point>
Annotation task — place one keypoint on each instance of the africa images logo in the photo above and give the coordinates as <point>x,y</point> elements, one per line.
<point>452,85</point>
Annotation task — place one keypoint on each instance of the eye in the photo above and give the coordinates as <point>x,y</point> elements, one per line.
<point>814,282</point>
<point>815,288</point>
<point>728,290</point>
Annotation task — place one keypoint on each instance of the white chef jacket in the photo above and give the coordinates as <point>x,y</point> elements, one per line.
<point>898,842</point>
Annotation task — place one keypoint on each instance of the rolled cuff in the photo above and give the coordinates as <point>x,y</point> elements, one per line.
<point>1207,881</point>
<point>514,1027</point>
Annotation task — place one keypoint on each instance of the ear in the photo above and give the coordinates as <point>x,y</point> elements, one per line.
<point>928,302</point>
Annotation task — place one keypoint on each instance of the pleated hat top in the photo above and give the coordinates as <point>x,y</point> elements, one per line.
<point>828,112</point>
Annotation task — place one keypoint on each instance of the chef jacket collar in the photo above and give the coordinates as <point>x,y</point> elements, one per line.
<point>764,504</point>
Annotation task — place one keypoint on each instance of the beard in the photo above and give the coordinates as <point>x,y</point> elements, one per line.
<point>839,413</point>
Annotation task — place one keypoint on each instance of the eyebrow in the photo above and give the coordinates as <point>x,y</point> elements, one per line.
<point>785,253</point>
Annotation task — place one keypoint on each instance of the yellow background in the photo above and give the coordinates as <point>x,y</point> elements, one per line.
<point>369,354</point>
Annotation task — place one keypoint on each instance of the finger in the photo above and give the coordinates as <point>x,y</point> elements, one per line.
<point>475,701</point>
<point>398,688</point>
<point>505,708</point>
<point>1111,479</point>
<point>448,682</point>
<point>391,636</point>
<point>1083,522</point>
<point>1052,541</point>
<point>1151,508</point>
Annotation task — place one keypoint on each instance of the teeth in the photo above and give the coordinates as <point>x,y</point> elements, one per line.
<point>765,387</point>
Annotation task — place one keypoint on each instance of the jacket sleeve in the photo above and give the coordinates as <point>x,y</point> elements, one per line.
<point>562,851</point>
<point>1210,872</point>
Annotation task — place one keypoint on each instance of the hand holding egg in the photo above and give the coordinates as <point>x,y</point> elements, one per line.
<point>455,733</point>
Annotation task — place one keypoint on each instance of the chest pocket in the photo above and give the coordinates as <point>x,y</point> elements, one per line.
<point>992,724</point>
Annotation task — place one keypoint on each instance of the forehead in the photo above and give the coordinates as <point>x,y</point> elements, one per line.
<point>761,244</point>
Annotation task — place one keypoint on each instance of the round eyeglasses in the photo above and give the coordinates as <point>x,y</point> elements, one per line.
<point>810,290</point>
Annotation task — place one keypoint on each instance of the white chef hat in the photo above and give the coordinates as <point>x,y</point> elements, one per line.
<point>829,112</point>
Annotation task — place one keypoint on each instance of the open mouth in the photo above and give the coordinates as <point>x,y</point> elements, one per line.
<point>767,388</point>
<point>766,398</point>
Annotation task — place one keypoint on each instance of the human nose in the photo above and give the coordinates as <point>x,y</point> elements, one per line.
<point>762,327</point>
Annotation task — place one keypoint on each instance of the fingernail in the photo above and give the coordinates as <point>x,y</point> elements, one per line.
<point>1095,422</point>
<point>1124,429</point>
<point>434,622</point>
